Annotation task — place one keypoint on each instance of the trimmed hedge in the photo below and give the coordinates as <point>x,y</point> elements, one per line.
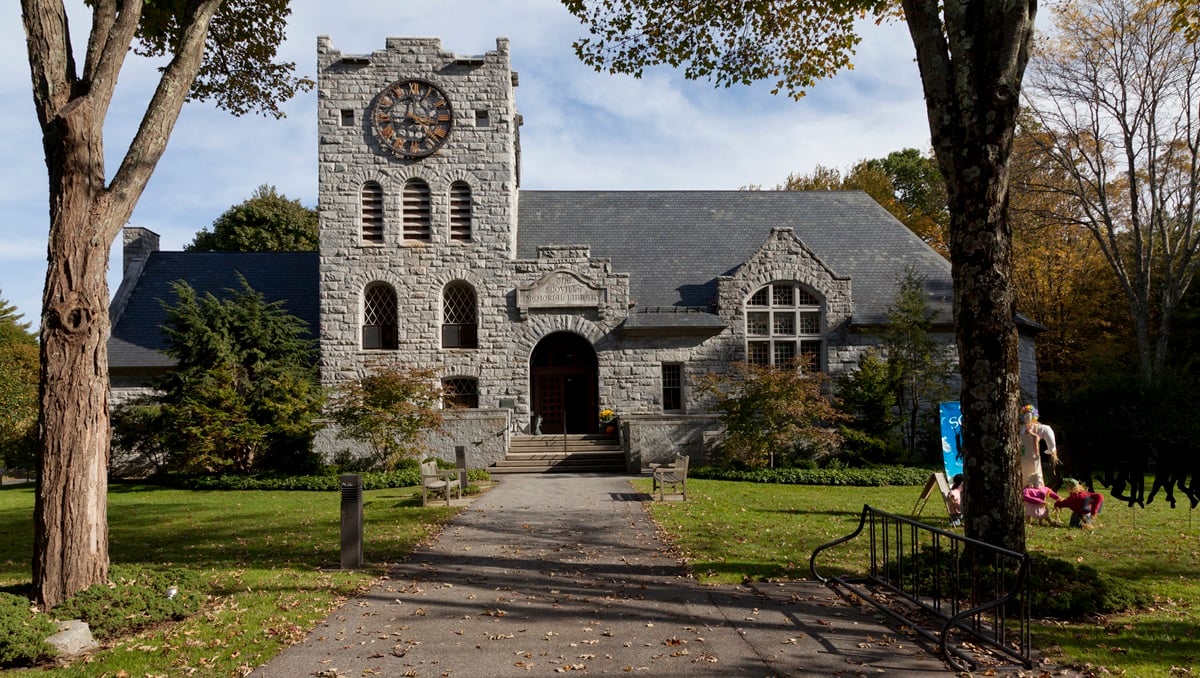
<point>862,477</point>
<point>372,480</point>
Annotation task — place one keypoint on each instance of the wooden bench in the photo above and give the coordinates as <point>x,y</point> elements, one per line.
<point>435,481</point>
<point>671,474</point>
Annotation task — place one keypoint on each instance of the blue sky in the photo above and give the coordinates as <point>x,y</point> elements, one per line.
<point>582,130</point>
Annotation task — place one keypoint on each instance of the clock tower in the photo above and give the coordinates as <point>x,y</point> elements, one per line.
<point>418,167</point>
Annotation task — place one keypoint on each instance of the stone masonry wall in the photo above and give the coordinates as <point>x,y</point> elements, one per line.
<point>511,319</point>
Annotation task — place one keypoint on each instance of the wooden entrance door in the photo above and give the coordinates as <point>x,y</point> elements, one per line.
<point>562,380</point>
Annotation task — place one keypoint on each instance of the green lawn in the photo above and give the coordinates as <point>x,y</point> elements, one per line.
<point>270,558</point>
<point>264,554</point>
<point>729,531</point>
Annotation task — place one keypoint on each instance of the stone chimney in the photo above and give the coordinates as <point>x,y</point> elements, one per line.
<point>138,244</point>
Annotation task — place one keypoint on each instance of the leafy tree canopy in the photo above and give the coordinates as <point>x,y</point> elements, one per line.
<point>773,416</point>
<point>1185,17</point>
<point>390,410</point>
<point>239,72</point>
<point>906,183</point>
<point>795,44</point>
<point>18,389</point>
<point>1114,95</point>
<point>266,222</point>
<point>12,326</point>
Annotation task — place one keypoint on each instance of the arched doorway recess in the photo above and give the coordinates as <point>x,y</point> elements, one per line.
<point>563,378</point>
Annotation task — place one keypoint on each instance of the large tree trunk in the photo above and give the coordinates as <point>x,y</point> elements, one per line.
<point>70,515</point>
<point>70,521</point>
<point>972,56</point>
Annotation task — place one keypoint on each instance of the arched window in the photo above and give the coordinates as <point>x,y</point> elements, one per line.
<point>372,212</point>
<point>418,219</point>
<point>783,327</point>
<point>459,323</point>
<point>460,211</point>
<point>379,329</point>
<point>460,392</point>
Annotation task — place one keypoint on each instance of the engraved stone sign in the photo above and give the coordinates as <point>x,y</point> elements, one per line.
<point>560,289</point>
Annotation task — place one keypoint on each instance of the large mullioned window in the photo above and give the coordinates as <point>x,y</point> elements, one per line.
<point>784,327</point>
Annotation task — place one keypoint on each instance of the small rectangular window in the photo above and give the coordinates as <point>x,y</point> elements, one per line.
<point>460,393</point>
<point>347,117</point>
<point>758,352</point>
<point>672,387</point>
<point>810,354</point>
<point>758,323</point>
<point>785,323</point>
<point>482,119</point>
<point>785,351</point>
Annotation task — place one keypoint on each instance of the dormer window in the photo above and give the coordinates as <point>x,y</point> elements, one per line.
<point>783,327</point>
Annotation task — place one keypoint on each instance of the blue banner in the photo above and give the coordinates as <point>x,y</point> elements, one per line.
<point>951,438</point>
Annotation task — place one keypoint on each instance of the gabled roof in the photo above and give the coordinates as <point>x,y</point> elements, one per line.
<point>674,244</point>
<point>137,340</point>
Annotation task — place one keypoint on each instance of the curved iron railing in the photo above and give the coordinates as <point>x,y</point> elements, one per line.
<point>972,587</point>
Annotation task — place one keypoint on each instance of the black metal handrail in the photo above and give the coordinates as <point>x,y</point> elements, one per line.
<point>973,587</point>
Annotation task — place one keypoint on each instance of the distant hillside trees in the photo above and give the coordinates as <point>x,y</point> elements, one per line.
<point>266,222</point>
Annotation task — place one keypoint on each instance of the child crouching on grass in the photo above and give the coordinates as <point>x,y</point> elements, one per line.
<point>1036,501</point>
<point>1084,505</point>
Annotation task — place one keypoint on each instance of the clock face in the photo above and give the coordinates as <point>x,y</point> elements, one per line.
<point>412,118</point>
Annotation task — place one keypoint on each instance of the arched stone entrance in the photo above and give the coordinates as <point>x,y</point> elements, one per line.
<point>563,377</point>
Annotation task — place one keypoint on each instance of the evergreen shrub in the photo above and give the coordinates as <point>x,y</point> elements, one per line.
<point>23,632</point>
<point>134,598</point>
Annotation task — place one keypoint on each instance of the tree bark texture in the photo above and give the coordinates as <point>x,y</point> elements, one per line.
<point>972,56</point>
<point>70,514</point>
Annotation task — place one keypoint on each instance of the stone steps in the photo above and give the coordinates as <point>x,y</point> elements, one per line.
<point>562,454</point>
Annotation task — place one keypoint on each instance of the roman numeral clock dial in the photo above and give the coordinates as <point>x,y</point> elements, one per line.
<point>412,118</point>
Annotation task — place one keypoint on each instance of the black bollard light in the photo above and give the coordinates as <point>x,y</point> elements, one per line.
<point>352,520</point>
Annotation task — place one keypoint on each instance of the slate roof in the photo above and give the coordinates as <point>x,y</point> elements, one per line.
<point>136,339</point>
<point>674,244</point>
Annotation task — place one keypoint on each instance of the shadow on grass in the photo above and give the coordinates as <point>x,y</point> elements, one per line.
<point>1125,641</point>
<point>233,530</point>
<point>763,571</point>
<point>812,512</point>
